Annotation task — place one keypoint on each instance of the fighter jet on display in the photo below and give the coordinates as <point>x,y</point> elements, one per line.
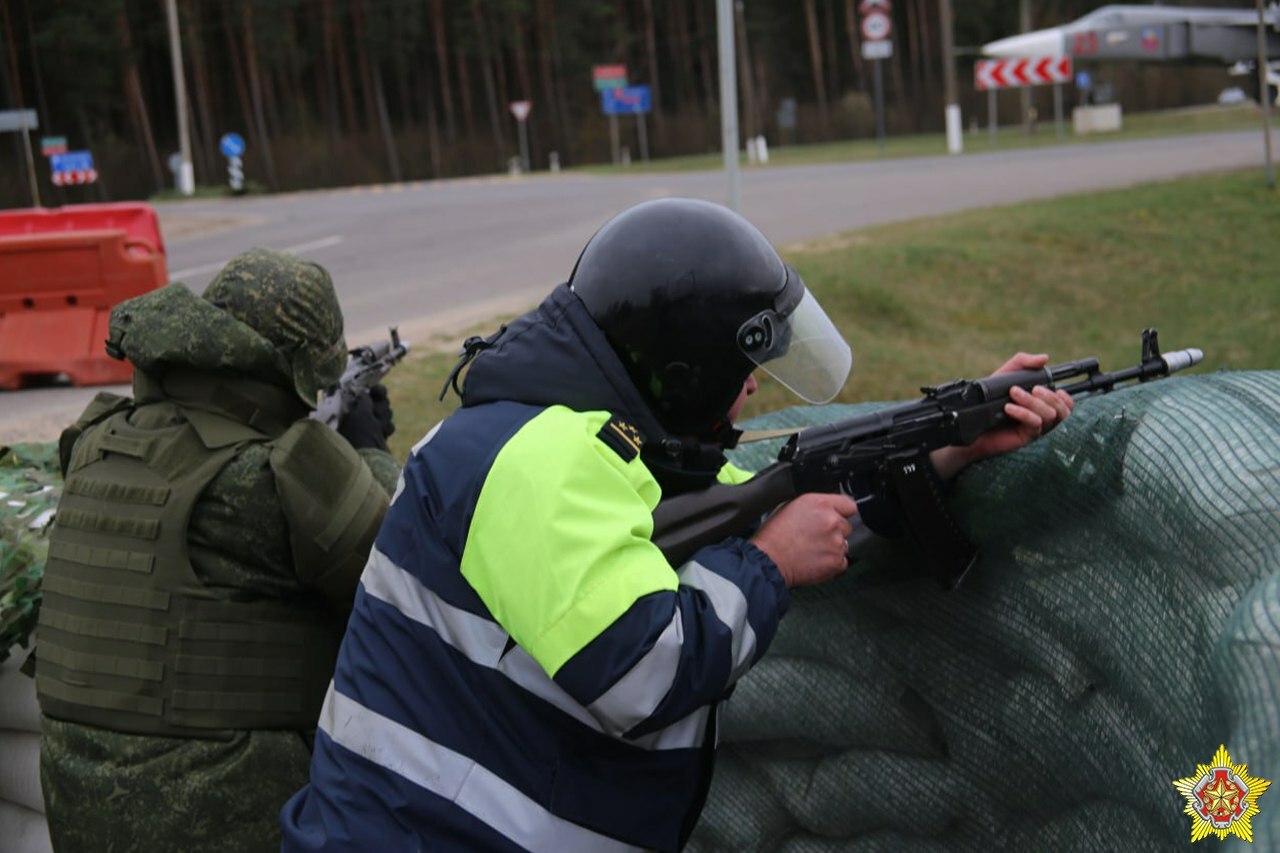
<point>1155,33</point>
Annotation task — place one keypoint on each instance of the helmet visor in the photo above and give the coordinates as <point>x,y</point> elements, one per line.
<point>801,348</point>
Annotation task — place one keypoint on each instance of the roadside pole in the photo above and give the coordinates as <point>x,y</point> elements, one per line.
<point>185,173</point>
<point>728,102</point>
<point>31,160</point>
<point>955,136</point>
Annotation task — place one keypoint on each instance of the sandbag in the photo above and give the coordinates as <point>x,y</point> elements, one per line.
<point>19,710</point>
<point>1122,622</point>
<point>22,830</point>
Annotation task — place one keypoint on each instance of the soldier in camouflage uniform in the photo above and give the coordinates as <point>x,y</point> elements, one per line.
<point>202,565</point>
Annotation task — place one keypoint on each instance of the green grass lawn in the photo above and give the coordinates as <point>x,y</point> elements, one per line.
<point>936,299</point>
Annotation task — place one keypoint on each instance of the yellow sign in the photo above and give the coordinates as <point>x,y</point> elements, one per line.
<point>1222,798</point>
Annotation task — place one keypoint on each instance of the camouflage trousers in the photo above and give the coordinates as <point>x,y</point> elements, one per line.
<point>114,792</point>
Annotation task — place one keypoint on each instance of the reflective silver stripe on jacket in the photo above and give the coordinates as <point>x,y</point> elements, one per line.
<point>730,606</point>
<point>458,779</point>
<point>482,641</point>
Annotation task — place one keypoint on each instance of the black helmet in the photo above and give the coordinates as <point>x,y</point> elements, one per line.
<point>692,298</point>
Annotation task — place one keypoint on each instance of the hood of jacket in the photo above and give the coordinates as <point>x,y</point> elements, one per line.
<point>172,327</point>
<point>557,355</point>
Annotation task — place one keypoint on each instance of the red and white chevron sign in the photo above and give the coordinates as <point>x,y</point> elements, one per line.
<point>75,176</point>
<point>1004,73</point>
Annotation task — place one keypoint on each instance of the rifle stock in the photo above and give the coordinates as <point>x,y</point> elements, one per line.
<point>881,460</point>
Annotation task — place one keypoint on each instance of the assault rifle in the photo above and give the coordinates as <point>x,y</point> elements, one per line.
<point>882,461</point>
<point>365,368</point>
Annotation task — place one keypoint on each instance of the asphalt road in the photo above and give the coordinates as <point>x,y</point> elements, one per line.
<point>439,257</point>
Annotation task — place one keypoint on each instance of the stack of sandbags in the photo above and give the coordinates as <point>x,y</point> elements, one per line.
<point>22,823</point>
<point>1121,624</point>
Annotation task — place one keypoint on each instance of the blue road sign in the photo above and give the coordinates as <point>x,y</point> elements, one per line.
<point>72,161</point>
<point>633,99</point>
<point>1083,80</point>
<point>231,145</point>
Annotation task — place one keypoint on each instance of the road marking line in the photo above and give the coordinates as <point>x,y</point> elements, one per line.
<point>314,244</point>
<point>293,250</point>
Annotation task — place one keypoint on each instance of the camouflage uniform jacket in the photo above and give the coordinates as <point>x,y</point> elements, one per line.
<point>108,790</point>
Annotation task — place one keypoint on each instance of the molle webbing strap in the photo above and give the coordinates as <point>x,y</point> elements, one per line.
<point>102,629</point>
<point>150,599</point>
<point>106,558</point>
<point>140,528</point>
<point>119,492</point>
<point>107,664</point>
<point>131,640</point>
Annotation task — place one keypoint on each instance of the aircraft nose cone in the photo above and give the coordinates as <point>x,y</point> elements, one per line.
<point>1039,43</point>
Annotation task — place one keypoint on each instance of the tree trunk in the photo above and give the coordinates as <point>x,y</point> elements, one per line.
<point>915,61</point>
<point>651,53</point>
<point>433,125</point>
<point>855,44</point>
<point>138,104</point>
<point>384,121</point>
<point>255,93</point>
<point>681,56</point>
<point>442,62</point>
<point>706,35</point>
<point>832,53</point>
<point>815,59</point>
<point>344,76</point>
<point>464,92</point>
<point>931,83</point>
<point>327,85</point>
<point>546,51</point>
<point>486,75</point>
<point>362,64</point>
<point>524,80</point>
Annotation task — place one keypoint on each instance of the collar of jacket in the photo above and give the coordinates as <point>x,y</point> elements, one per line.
<point>557,355</point>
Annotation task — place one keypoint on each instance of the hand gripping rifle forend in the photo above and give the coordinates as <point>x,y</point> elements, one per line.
<point>882,460</point>
<point>366,366</point>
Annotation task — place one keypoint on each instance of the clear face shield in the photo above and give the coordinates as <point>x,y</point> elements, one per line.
<point>797,344</point>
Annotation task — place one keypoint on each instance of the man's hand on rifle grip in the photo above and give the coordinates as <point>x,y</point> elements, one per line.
<point>808,537</point>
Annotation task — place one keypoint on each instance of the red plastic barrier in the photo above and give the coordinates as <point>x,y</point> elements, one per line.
<point>137,220</point>
<point>61,271</point>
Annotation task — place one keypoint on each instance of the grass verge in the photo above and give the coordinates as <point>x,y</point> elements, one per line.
<point>1210,119</point>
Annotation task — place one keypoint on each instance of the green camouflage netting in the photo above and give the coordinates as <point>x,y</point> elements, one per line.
<point>1122,622</point>
<point>29,489</point>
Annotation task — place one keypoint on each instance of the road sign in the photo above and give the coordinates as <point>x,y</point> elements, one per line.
<point>51,145</point>
<point>73,167</point>
<point>632,99</point>
<point>877,49</point>
<point>231,145</point>
<point>609,77</point>
<point>1006,73</point>
<point>520,109</point>
<point>18,120</point>
<point>876,26</point>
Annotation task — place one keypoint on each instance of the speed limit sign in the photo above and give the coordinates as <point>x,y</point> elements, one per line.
<point>876,26</point>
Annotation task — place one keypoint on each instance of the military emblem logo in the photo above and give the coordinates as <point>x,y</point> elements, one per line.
<point>1222,798</point>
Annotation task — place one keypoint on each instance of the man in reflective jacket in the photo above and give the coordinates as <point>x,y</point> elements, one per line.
<point>523,669</point>
<point>201,566</point>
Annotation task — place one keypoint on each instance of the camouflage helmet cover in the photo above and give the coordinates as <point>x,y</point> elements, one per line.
<point>290,302</point>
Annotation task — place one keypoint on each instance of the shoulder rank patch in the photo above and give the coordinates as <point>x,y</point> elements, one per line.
<point>622,437</point>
